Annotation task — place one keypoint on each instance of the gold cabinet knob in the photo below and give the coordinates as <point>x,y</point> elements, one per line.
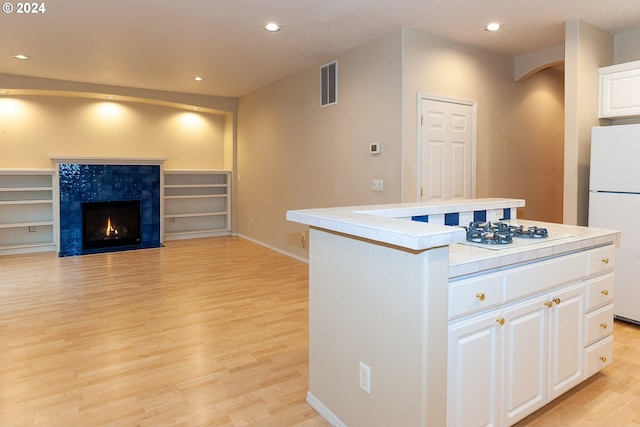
<point>481,296</point>
<point>604,292</point>
<point>605,260</point>
<point>549,304</point>
<point>500,320</point>
<point>557,300</point>
<point>604,325</point>
<point>604,359</point>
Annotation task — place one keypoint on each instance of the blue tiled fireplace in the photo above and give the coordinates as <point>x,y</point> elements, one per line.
<point>81,183</point>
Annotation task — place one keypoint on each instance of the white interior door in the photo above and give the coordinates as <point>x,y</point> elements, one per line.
<point>446,150</point>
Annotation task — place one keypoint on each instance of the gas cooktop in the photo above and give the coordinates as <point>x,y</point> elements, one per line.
<point>502,235</point>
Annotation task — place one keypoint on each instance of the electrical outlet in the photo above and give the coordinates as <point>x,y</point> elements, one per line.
<point>172,220</point>
<point>376,184</point>
<point>32,229</point>
<point>365,378</point>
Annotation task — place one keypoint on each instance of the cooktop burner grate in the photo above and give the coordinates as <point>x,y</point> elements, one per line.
<point>500,233</point>
<point>532,232</point>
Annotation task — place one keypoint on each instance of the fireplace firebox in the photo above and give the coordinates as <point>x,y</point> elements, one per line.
<point>110,224</point>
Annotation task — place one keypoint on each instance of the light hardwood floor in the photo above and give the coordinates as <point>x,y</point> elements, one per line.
<point>207,332</point>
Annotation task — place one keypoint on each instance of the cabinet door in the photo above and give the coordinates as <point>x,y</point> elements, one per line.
<point>525,359</point>
<point>620,90</point>
<point>566,340</point>
<point>474,372</point>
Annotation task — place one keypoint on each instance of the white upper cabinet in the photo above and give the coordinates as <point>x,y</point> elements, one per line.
<point>620,91</point>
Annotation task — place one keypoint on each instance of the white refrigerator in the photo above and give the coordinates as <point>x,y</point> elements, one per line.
<point>614,203</point>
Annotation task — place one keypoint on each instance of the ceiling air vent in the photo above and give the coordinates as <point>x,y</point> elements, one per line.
<point>329,84</point>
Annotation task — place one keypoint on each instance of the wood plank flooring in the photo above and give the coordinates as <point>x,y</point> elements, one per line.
<point>207,332</point>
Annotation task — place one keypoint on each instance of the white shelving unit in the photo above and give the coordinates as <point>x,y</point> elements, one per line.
<point>26,211</point>
<point>196,203</point>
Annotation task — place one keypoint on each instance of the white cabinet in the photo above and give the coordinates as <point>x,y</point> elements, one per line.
<point>620,90</point>
<point>601,260</point>
<point>548,333</point>
<point>26,211</point>
<point>598,352</point>
<point>598,356</point>
<point>475,294</point>
<point>566,343</point>
<point>525,359</point>
<point>543,350</point>
<point>474,371</point>
<point>196,203</point>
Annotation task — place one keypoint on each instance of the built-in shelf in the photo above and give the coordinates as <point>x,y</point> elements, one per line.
<point>196,203</point>
<point>26,211</point>
<point>26,224</point>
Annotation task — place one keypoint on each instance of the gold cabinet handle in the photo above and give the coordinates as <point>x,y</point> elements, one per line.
<point>604,359</point>
<point>549,304</point>
<point>604,292</point>
<point>557,300</point>
<point>604,325</point>
<point>605,260</point>
<point>481,296</point>
<point>500,320</point>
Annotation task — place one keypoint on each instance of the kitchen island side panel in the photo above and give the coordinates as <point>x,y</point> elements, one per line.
<point>384,306</point>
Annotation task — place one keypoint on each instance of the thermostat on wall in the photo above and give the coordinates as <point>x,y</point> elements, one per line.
<point>374,148</point>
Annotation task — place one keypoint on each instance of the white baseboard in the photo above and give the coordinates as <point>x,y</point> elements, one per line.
<point>273,248</point>
<point>324,411</point>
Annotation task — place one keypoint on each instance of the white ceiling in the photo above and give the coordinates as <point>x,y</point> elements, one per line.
<point>162,44</point>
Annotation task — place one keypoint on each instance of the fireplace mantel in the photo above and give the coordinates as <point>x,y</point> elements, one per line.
<point>108,160</point>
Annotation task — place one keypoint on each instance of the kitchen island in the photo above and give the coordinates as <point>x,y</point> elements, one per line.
<point>394,335</point>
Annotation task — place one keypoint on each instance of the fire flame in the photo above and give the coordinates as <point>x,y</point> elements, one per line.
<point>110,228</point>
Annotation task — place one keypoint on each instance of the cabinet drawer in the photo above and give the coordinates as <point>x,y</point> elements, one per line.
<point>541,276</point>
<point>598,356</point>
<point>599,324</point>
<point>601,260</point>
<point>600,291</point>
<point>474,294</point>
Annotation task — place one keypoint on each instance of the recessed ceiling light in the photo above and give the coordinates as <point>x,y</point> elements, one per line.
<point>110,97</point>
<point>195,108</point>
<point>21,56</point>
<point>198,78</point>
<point>272,27</point>
<point>4,92</point>
<point>494,26</point>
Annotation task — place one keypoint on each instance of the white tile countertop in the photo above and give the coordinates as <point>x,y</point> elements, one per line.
<point>392,224</point>
<point>466,259</point>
